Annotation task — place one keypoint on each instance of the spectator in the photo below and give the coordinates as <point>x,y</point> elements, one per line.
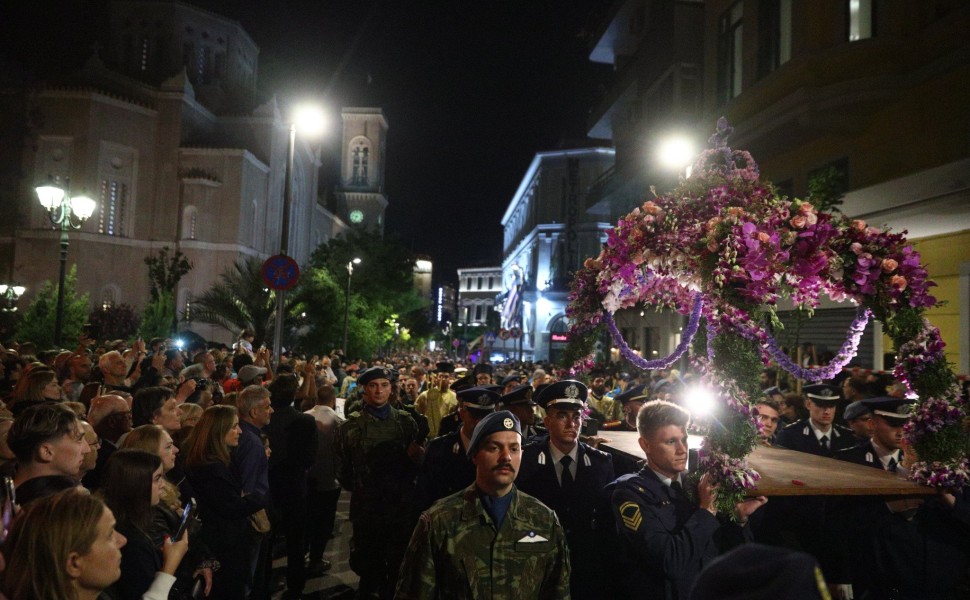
<point>111,418</point>
<point>323,489</point>
<point>157,406</point>
<point>48,442</point>
<point>223,507</point>
<point>36,387</point>
<point>132,486</point>
<point>250,464</point>
<point>8,462</point>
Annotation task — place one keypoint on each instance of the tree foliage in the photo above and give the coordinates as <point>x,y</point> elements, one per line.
<point>37,323</point>
<point>157,319</point>
<point>165,270</point>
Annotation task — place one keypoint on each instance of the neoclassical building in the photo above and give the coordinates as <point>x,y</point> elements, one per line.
<point>165,128</point>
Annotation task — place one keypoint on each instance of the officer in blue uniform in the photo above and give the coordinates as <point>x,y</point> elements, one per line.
<point>631,400</point>
<point>519,402</point>
<point>569,477</point>
<point>818,434</point>
<point>447,468</point>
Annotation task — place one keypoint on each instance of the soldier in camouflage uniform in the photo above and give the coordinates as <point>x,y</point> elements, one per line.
<point>377,453</point>
<point>489,540</point>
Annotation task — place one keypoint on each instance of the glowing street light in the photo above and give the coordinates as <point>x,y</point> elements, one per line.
<point>311,121</point>
<point>350,272</point>
<point>675,152</point>
<point>68,213</point>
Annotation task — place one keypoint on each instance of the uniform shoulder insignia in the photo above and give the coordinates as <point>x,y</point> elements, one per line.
<point>630,514</point>
<point>456,448</point>
<point>805,431</point>
<point>869,458</point>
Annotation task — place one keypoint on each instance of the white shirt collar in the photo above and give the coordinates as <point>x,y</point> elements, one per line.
<point>557,455</point>
<point>818,432</point>
<point>885,455</point>
<point>664,479</point>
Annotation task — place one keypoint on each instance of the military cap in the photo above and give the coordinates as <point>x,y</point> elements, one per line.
<point>478,399</point>
<point>821,394</point>
<point>855,410</point>
<point>375,373</point>
<point>510,378</point>
<point>519,395</point>
<point>483,368</point>
<point>637,393</point>
<point>494,387</point>
<point>463,383</point>
<point>760,572</point>
<point>772,391</point>
<point>444,367</point>
<point>567,393</point>
<point>494,422</point>
<point>895,410</point>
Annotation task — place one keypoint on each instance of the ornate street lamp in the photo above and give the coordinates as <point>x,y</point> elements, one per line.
<point>68,213</point>
<point>9,295</point>
<point>350,272</point>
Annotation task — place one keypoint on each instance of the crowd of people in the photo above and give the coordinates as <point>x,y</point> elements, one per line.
<point>159,471</point>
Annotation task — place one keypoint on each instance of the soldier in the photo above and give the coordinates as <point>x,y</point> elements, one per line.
<point>569,476</point>
<point>631,400</point>
<point>665,537</point>
<point>859,419</point>
<point>489,540</point>
<point>483,374</point>
<point>377,453</point>
<point>519,402</point>
<point>817,434</point>
<point>447,468</point>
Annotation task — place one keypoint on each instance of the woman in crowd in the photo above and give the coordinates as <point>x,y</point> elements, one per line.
<point>64,547</point>
<point>167,514</point>
<point>132,485</point>
<point>156,405</point>
<point>224,510</point>
<point>37,386</point>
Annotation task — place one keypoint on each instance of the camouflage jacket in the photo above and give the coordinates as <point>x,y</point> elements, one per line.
<point>374,463</point>
<point>456,552</point>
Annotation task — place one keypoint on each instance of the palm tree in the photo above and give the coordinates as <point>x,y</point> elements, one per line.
<point>240,300</point>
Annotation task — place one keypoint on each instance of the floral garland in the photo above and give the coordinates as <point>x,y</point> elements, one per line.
<point>725,241</point>
<point>665,362</point>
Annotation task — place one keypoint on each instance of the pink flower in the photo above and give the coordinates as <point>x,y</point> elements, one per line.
<point>889,265</point>
<point>650,208</point>
<point>798,222</point>
<point>898,282</point>
<point>763,237</point>
<point>805,208</point>
<point>859,225</point>
<point>856,247</point>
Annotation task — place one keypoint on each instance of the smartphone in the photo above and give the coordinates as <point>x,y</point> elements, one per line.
<point>8,507</point>
<point>186,515</point>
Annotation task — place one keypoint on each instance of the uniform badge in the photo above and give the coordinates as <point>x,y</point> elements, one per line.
<point>532,538</point>
<point>630,514</point>
<point>572,391</point>
<point>508,423</point>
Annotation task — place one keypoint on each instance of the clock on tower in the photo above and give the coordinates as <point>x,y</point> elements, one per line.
<point>356,216</point>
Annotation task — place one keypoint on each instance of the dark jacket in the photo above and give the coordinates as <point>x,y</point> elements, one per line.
<point>800,436</point>
<point>446,469</point>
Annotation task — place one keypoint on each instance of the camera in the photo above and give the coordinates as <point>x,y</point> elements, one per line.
<point>201,383</point>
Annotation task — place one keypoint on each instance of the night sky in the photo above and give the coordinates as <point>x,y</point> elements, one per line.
<point>471,90</point>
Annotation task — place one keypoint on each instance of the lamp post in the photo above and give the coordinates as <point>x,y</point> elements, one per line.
<point>311,122</point>
<point>67,213</point>
<point>350,272</point>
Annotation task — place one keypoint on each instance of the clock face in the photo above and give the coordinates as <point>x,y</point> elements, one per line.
<point>356,216</point>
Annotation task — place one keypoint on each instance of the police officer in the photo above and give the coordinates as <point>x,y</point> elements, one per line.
<point>519,402</point>
<point>489,540</point>
<point>451,422</point>
<point>447,468</point>
<point>569,477</point>
<point>377,453</point>
<point>630,400</point>
<point>818,434</point>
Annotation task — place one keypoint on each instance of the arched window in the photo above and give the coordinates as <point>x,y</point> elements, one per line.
<point>359,161</point>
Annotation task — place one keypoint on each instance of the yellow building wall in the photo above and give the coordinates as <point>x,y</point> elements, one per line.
<point>943,255</point>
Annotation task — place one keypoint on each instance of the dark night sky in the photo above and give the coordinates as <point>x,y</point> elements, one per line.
<point>471,90</point>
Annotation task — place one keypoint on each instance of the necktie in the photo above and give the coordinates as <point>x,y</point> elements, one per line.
<point>891,466</point>
<point>567,476</point>
<point>825,442</point>
<point>677,487</point>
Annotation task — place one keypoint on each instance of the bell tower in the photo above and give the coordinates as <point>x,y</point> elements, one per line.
<point>360,197</point>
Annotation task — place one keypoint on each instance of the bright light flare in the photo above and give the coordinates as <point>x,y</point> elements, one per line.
<point>310,120</point>
<point>699,400</point>
<point>676,152</point>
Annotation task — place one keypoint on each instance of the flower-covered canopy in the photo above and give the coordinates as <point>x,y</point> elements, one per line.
<point>726,246</point>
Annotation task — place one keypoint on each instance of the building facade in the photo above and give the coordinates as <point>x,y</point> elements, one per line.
<point>166,130</point>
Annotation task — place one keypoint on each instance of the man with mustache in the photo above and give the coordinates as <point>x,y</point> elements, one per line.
<point>489,540</point>
<point>568,476</point>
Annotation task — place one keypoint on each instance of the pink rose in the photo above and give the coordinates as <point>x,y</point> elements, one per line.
<point>805,208</point>
<point>650,208</point>
<point>856,247</point>
<point>889,265</point>
<point>763,237</point>
<point>712,245</point>
<point>798,222</point>
<point>898,282</point>
<point>858,225</point>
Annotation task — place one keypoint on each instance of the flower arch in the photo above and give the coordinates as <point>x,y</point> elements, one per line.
<point>726,247</point>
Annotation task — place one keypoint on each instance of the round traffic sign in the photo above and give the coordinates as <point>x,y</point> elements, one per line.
<point>280,272</point>
<point>503,333</point>
<point>515,332</point>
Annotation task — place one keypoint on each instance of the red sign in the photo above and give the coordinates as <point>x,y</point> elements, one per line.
<point>515,332</point>
<point>560,337</point>
<point>503,333</point>
<point>280,272</point>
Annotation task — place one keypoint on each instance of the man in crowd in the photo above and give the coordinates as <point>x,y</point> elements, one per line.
<point>604,408</point>
<point>631,400</point>
<point>49,444</point>
<point>421,377</point>
<point>666,538</point>
<point>519,402</point>
<point>859,419</point>
<point>323,489</point>
<point>79,372</point>
<point>250,465</point>
<point>489,540</point>
<point>769,414</point>
<point>483,374</point>
<point>569,477</point>
<point>446,468</point>
<point>438,400</point>
<point>110,416</point>
<point>375,447</point>
<point>817,434</point>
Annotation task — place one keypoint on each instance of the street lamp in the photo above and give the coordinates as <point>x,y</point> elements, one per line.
<point>68,213</point>
<point>675,152</point>
<point>10,294</point>
<point>311,122</point>
<point>350,272</point>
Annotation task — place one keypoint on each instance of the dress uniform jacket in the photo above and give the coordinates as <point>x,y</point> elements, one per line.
<point>456,553</point>
<point>577,507</point>
<point>665,539</point>
<point>923,553</point>
<point>800,436</point>
<point>446,470</point>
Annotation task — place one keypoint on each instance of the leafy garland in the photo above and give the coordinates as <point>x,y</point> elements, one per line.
<point>726,244</point>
